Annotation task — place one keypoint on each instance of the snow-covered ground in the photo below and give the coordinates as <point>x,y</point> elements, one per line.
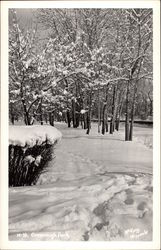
<point>100,188</point>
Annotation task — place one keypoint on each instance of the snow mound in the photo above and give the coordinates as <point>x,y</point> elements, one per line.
<point>33,135</point>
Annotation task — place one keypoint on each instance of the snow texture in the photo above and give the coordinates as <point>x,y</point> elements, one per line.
<point>100,189</point>
<point>33,135</point>
<point>83,111</point>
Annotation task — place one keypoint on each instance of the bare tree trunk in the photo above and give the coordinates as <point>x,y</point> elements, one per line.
<point>133,111</point>
<point>113,111</point>
<point>88,123</point>
<point>104,113</point>
<point>41,117</point>
<point>117,123</point>
<point>73,113</point>
<point>12,119</point>
<point>51,118</point>
<point>106,110</point>
<point>151,105</point>
<point>104,119</point>
<point>151,108</point>
<point>89,113</point>
<point>119,113</point>
<point>118,118</point>
<point>81,120</point>
<point>26,115</point>
<point>85,120</point>
<point>68,118</point>
<point>77,120</point>
<point>106,122</point>
<point>127,112</point>
<point>77,114</point>
<point>139,64</point>
<point>99,113</point>
<point>46,118</point>
<point>133,104</point>
<point>146,108</point>
<point>132,121</point>
<point>12,115</point>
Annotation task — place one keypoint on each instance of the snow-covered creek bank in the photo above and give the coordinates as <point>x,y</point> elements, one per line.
<point>100,188</point>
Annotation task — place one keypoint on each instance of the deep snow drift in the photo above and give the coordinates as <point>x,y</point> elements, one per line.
<point>100,188</point>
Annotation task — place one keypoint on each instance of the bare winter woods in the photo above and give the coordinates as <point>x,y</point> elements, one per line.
<point>80,65</point>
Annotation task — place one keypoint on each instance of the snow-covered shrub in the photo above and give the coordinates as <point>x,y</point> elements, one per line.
<point>30,149</point>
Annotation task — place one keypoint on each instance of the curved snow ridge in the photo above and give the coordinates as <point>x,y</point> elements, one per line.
<point>33,135</point>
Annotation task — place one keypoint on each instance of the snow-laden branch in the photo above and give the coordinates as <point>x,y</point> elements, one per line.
<point>136,14</point>
<point>147,34</point>
<point>117,79</point>
<point>147,76</point>
<point>60,80</point>
<point>12,78</point>
<point>83,76</point>
<point>130,14</point>
<point>149,13</point>
<point>109,80</point>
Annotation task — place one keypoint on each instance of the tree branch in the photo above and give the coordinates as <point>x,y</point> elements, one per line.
<point>33,103</point>
<point>143,76</point>
<point>65,77</point>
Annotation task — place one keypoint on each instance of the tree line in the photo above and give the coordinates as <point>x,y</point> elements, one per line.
<point>92,64</point>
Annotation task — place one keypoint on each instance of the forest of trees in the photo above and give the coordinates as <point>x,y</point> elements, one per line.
<point>93,64</point>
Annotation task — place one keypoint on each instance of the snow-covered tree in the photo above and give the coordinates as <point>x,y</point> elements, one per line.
<point>90,65</point>
<point>22,68</point>
<point>139,46</point>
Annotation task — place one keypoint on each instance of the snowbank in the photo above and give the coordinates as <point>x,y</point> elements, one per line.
<point>31,148</point>
<point>145,140</point>
<point>33,135</point>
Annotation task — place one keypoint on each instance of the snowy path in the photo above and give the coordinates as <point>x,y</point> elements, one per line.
<point>100,188</point>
